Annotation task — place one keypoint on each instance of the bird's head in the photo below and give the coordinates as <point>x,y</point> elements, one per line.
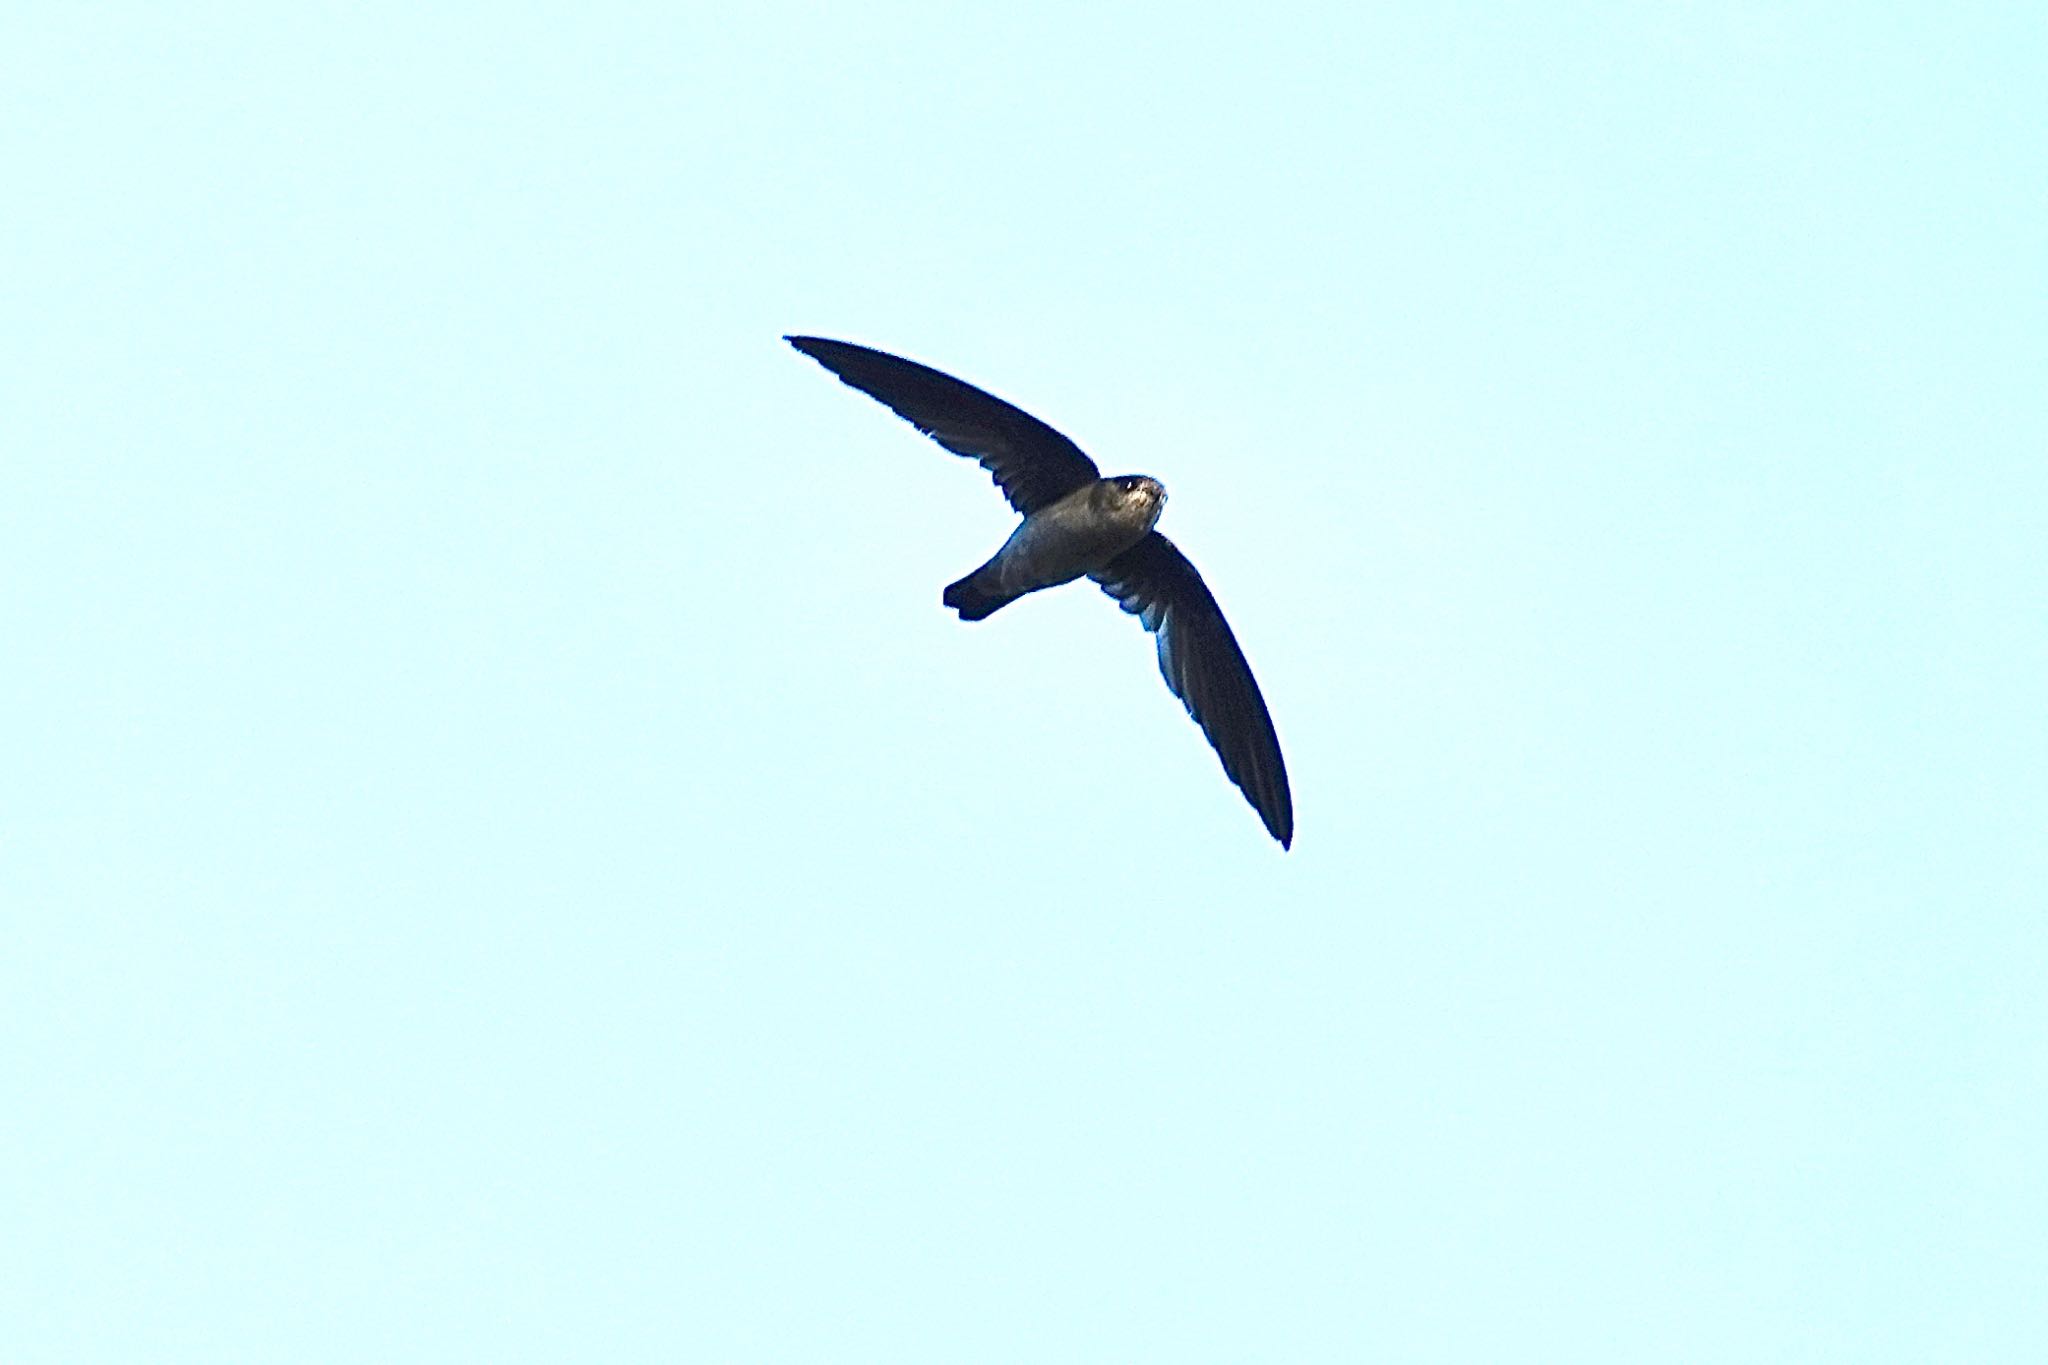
<point>1138,496</point>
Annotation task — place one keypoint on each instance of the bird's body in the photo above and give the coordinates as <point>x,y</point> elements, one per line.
<point>1077,523</point>
<point>1080,534</point>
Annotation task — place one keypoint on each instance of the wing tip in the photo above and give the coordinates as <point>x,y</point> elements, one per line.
<point>1276,812</point>
<point>820,348</point>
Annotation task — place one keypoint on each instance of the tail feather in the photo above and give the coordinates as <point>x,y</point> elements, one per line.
<point>975,602</point>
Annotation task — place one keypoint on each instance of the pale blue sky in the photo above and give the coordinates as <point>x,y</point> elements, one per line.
<point>505,857</point>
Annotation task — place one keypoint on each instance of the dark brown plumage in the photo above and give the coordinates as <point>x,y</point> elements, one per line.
<point>1078,523</point>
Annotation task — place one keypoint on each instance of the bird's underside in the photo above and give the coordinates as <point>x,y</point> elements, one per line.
<point>1080,534</point>
<point>1077,523</point>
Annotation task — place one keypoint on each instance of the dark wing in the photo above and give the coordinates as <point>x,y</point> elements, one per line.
<point>1205,668</point>
<point>1034,465</point>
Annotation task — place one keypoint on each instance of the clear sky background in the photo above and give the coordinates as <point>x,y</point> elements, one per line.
<point>504,856</point>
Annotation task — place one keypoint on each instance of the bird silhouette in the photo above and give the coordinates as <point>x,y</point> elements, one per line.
<point>1078,523</point>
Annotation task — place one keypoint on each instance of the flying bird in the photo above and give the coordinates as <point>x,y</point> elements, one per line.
<point>1078,523</point>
